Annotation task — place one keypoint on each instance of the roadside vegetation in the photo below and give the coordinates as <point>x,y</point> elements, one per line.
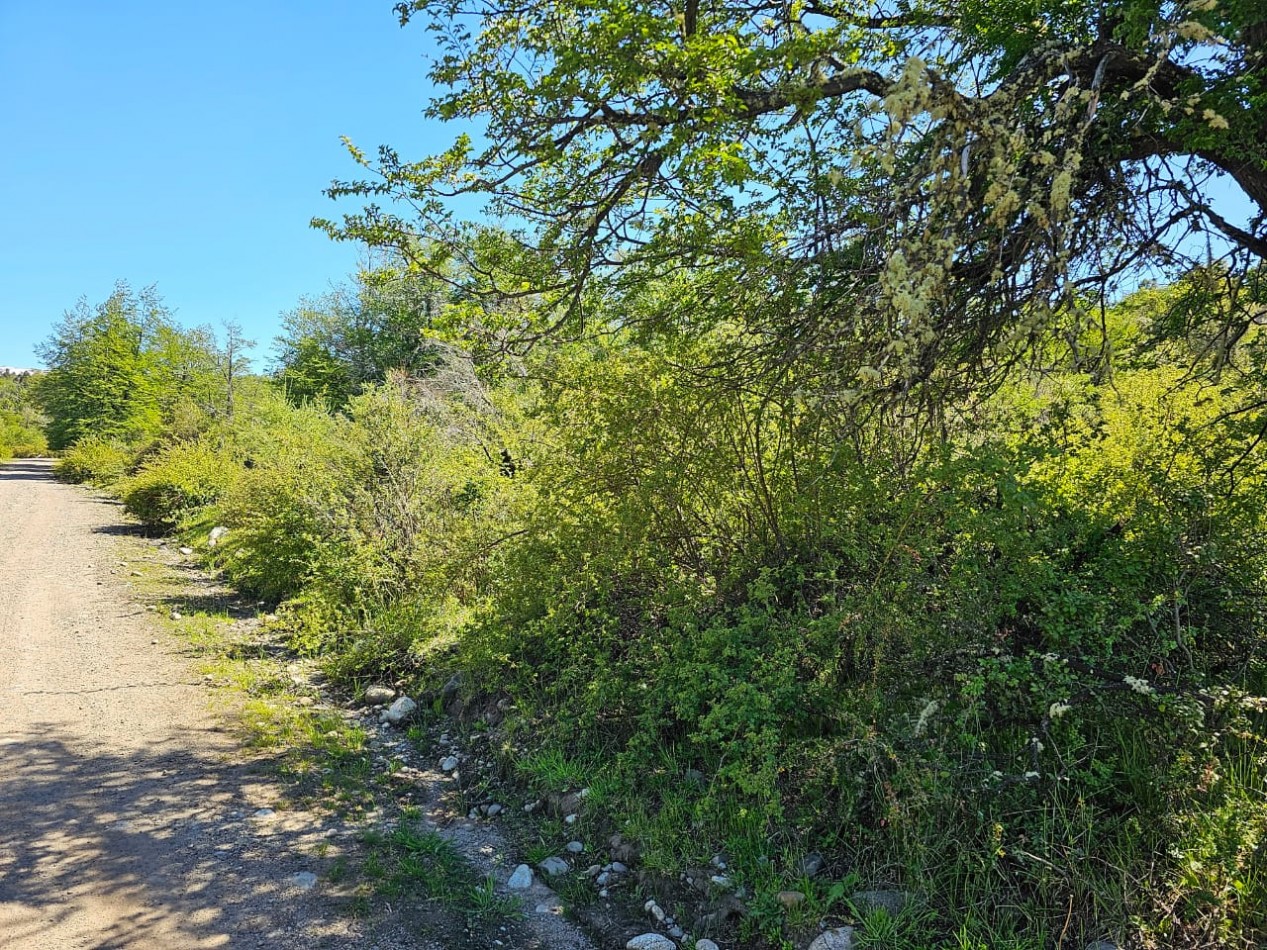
<point>747,511</point>
<point>21,422</point>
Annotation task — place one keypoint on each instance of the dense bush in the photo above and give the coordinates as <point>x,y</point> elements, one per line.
<point>1009,665</point>
<point>97,461</point>
<point>178,481</point>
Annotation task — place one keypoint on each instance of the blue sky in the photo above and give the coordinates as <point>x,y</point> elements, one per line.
<point>186,145</point>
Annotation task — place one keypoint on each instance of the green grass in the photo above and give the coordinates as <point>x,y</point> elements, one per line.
<point>420,864</point>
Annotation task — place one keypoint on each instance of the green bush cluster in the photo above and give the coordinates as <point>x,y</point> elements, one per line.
<point>97,460</point>
<point>1011,669</point>
<point>21,423</point>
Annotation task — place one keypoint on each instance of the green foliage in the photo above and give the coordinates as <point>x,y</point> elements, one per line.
<point>21,423</point>
<point>124,370</point>
<point>337,345</point>
<point>98,461</point>
<point>178,481</point>
<point>917,188</point>
<point>1011,667</point>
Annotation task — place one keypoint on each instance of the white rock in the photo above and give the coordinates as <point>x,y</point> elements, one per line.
<point>603,879</point>
<point>706,945</point>
<point>186,551</point>
<point>658,912</point>
<point>521,879</point>
<point>651,942</point>
<point>575,847</point>
<point>494,810</point>
<point>449,763</point>
<point>401,710</point>
<point>839,939</point>
<point>570,820</point>
<point>304,880</point>
<point>217,533</point>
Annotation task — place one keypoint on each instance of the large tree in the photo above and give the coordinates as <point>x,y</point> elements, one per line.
<point>908,194</point>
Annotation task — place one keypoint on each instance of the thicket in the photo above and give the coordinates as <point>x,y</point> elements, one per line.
<point>21,422</point>
<point>1010,665</point>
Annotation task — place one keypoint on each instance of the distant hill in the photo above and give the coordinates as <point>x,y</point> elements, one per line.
<point>15,371</point>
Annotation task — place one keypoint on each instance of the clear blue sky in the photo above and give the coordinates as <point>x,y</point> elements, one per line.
<point>186,145</point>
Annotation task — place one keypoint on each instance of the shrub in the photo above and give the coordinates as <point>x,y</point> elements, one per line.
<point>97,461</point>
<point>177,482</point>
<point>19,438</point>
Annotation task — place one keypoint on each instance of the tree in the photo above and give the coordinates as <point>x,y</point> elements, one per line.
<point>97,383</point>
<point>908,196</point>
<point>333,346</point>
<point>123,368</point>
<point>235,361</point>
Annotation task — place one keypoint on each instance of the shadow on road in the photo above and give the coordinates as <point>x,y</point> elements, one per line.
<point>156,846</point>
<point>26,470</point>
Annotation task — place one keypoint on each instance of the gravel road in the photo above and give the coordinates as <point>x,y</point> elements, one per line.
<point>127,814</point>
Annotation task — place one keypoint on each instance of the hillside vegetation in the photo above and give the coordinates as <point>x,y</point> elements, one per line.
<point>838,441</point>
<point>1010,665</point>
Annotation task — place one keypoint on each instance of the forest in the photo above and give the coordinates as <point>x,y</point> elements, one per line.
<point>833,434</point>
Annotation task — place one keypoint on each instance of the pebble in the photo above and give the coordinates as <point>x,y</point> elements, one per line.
<point>375,695</point>
<point>617,868</point>
<point>186,551</point>
<point>401,710</point>
<point>521,879</point>
<point>790,899</point>
<point>706,945</point>
<point>570,820</point>
<point>494,810</point>
<point>575,847</point>
<point>892,902</point>
<point>304,880</point>
<point>449,763</point>
<point>812,864</point>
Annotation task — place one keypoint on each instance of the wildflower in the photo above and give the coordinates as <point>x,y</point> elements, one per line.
<point>1214,120</point>
<point>1057,709</point>
<point>1140,686</point>
<point>928,712</point>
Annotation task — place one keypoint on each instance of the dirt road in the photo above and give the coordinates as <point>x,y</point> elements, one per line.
<point>127,816</point>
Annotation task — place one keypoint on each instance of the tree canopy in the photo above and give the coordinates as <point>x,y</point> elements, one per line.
<point>916,193</point>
